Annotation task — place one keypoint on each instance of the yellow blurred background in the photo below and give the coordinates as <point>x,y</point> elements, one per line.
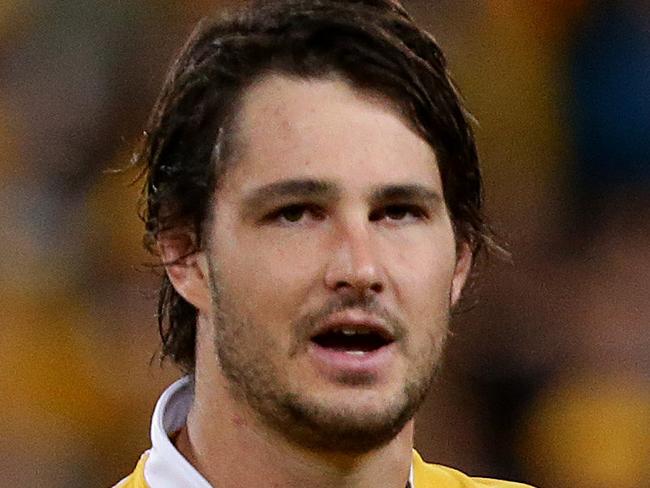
<point>547,376</point>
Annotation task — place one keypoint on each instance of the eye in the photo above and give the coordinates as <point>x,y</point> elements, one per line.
<point>398,213</point>
<point>295,213</point>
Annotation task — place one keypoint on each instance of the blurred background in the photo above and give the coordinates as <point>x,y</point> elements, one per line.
<point>547,376</point>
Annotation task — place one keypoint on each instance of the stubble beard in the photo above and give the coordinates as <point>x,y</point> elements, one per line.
<point>256,381</point>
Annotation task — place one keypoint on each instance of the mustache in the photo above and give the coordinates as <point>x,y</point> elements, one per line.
<point>306,325</point>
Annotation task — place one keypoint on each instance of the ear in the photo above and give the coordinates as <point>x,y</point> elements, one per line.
<point>461,271</point>
<point>186,266</point>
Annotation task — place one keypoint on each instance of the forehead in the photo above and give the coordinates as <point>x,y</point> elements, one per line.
<point>327,129</point>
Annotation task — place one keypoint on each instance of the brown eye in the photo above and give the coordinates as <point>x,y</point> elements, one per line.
<point>296,213</point>
<point>293,213</point>
<point>397,212</point>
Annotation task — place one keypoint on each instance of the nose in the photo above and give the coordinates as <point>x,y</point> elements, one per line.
<point>353,264</point>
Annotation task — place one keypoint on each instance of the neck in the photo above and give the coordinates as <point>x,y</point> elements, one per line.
<point>230,452</point>
<point>241,461</point>
<point>232,449</point>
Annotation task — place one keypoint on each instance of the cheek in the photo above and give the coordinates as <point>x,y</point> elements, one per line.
<point>428,294</point>
<point>423,268</point>
<point>270,279</point>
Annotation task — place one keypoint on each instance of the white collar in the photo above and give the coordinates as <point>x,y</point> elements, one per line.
<point>166,467</point>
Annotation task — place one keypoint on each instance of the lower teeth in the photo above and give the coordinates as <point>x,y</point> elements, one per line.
<point>355,353</point>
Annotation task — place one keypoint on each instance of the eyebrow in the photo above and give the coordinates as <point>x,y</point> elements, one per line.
<point>294,188</point>
<point>411,192</point>
<point>325,190</point>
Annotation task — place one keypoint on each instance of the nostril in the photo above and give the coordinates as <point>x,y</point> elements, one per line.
<point>342,284</point>
<point>375,286</point>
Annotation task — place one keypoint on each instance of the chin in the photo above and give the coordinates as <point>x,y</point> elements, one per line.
<point>363,422</point>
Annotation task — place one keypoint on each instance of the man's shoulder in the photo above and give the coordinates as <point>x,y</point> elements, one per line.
<point>426,476</point>
<point>433,475</point>
<point>136,478</point>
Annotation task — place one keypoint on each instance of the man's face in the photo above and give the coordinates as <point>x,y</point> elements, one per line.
<point>332,264</point>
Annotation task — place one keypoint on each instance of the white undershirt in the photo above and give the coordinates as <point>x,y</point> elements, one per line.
<point>166,467</point>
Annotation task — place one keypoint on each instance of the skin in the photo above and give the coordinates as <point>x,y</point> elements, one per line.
<point>333,201</point>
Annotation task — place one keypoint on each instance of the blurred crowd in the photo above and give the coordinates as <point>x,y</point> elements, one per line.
<point>547,375</point>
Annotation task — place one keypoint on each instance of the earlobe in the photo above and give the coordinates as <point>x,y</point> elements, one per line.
<point>185,267</point>
<point>461,272</point>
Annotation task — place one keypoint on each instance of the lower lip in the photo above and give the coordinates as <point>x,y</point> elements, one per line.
<point>336,362</point>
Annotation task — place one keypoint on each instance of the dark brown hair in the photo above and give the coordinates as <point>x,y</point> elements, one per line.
<point>373,44</point>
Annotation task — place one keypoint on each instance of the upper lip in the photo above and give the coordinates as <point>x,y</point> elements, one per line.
<point>357,320</point>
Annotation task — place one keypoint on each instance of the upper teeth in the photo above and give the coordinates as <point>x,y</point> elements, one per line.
<point>349,332</point>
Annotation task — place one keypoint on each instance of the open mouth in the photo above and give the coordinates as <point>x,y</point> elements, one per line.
<point>352,340</point>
